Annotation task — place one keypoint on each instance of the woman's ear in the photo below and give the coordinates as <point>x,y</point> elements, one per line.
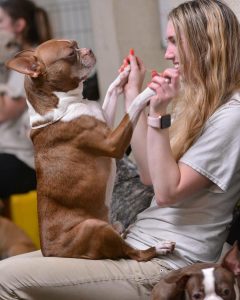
<point>20,25</point>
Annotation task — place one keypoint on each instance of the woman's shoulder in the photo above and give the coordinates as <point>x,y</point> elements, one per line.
<point>232,102</point>
<point>228,113</point>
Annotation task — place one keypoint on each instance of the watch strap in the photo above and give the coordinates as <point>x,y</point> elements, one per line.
<point>160,122</point>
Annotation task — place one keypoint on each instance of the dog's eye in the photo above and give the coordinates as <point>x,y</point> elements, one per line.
<point>71,53</point>
<point>226,292</point>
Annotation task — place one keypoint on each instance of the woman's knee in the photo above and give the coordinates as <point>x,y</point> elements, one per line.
<point>9,278</point>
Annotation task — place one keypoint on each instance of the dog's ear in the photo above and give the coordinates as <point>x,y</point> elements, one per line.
<point>27,63</point>
<point>231,260</point>
<point>171,287</point>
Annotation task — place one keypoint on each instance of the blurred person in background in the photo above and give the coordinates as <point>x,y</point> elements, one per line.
<point>23,26</point>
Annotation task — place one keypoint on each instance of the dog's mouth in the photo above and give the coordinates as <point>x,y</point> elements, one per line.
<point>83,78</point>
<point>88,62</point>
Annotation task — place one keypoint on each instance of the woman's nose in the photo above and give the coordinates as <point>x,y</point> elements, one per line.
<point>169,53</point>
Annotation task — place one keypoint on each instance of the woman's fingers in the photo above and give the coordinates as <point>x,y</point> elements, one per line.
<point>127,60</point>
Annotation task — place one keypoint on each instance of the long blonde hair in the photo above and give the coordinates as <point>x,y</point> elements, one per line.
<point>211,66</point>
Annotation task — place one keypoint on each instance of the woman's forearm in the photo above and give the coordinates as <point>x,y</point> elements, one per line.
<point>139,149</point>
<point>164,170</point>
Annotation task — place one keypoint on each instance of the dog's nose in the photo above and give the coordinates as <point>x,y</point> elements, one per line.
<point>86,51</point>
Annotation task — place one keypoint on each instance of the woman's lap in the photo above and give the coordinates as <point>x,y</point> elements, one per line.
<point>31,276</point>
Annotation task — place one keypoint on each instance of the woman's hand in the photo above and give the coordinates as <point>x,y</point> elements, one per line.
<point>136,76</point>
<point>166,85</point>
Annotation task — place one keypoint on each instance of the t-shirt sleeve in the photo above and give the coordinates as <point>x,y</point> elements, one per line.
<point>16,84</point>
<point>216,153</point>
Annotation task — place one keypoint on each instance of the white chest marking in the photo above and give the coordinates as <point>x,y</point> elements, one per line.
<point>70,106</point>
<point>209,284</point>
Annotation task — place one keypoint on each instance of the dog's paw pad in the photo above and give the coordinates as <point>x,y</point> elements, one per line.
<point>165,247</point>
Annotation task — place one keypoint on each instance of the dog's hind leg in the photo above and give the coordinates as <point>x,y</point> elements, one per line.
<point>111,245</point>
<point>96,239</point>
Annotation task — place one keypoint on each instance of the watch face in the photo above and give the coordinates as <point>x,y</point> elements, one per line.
<point>165,121</point>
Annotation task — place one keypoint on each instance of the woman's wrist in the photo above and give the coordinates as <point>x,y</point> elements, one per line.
<point>160,111</point>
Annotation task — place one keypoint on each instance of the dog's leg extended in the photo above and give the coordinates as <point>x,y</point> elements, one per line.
<point>114,90</point>
<point>115,143</point>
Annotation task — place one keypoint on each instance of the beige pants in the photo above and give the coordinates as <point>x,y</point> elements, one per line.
<point>32,276</point>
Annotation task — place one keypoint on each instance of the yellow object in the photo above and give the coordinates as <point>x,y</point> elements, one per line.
<point>23,209</point>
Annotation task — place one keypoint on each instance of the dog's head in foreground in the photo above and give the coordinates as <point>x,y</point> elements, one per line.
<point>203,281</point>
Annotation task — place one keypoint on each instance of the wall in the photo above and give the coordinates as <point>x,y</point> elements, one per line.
<point>70,19</point>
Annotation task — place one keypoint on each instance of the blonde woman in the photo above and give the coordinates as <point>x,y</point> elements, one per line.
<point>195,173</point>
<point>195,177</point>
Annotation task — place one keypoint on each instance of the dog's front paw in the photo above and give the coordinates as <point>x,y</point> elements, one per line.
<point>122,79</point>
<point>165,247</point>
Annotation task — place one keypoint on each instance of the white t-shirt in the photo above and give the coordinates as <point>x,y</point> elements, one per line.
<point>14,134</point>
<point>199,224</point>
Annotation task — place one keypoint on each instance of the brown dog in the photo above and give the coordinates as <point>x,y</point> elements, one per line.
<point>13,240</point>
<point>203,281</point>
<point>74,147</point>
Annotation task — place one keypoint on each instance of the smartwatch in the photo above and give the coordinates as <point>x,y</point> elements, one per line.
<point>160,122</point>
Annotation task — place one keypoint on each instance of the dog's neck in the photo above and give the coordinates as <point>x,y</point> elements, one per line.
<point>70,106</point>
<point>65,101</point>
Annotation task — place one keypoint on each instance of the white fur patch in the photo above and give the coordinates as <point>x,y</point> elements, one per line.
<point>164,247</point>
<point>114,90</point>
<point>139,102</point>
<point>209,285</point>
<point>70,106</point>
